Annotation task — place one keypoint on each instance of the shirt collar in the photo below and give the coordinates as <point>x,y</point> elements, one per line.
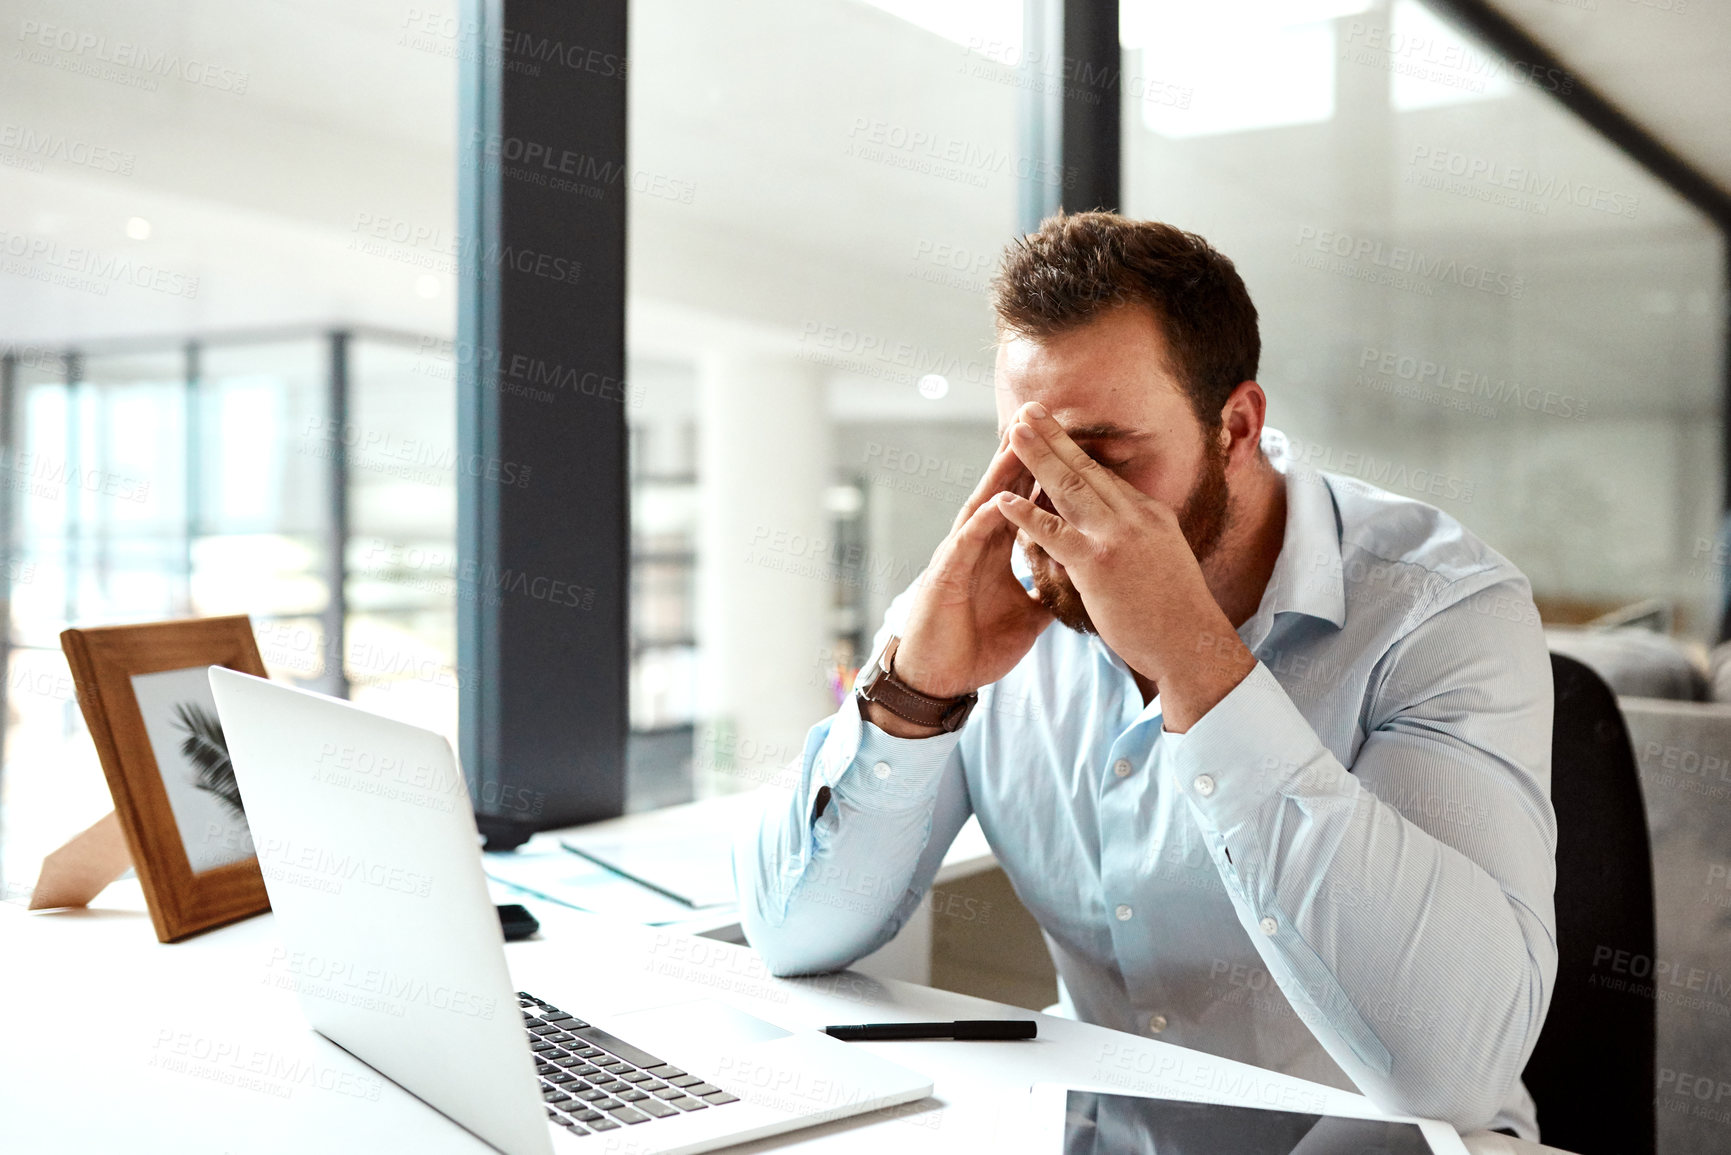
<point>1307,577</point>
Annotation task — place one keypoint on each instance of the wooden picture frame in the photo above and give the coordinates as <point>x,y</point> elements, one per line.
<point>187,834</point>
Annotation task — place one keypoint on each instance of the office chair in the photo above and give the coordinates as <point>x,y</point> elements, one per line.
<point>1592,1072</point>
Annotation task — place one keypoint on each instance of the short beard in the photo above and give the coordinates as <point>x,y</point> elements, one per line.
<point>1203,521</point>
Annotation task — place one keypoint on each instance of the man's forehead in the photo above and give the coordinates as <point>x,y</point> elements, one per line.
<point>1103,392</point>
<point>1123,338</point>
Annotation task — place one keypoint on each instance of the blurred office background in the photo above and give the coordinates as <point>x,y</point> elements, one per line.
<point>1467,295</point>
<point>228,302</point>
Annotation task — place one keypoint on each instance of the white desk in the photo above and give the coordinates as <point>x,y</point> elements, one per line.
<point>113,1042</point>
<point>907,957</point>
<point>968,854</point>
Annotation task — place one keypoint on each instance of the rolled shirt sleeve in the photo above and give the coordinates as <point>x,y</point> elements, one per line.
<point>1404,908</point>
<point>821,889</point>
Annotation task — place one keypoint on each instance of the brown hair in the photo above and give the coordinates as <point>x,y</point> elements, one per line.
<point>1079,265</point>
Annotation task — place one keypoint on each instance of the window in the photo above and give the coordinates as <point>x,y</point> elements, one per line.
<point>1468,297</point>
<point>196,480</point>
<point>825,190</point>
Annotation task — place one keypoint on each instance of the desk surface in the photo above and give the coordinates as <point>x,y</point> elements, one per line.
<point>116,1042</point>
<point>970,853</point>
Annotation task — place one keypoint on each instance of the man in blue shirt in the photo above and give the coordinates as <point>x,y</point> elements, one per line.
<point>1275,785</point>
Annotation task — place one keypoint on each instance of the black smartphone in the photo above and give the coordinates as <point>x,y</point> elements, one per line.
<point>516,921</point>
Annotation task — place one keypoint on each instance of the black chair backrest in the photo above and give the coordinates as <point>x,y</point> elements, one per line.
<point>1593,1069</point>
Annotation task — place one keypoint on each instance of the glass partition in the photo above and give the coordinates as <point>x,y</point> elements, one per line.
<point>400,441</point>
<point>1467,295</point>
<point>818,193</point>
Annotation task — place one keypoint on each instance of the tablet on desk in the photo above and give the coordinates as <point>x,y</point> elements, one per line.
<point>1082,1122</point>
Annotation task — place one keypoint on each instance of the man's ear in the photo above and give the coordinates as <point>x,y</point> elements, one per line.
<point>1241,422</point>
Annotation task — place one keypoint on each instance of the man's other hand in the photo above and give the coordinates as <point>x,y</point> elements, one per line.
<point>971,621</point>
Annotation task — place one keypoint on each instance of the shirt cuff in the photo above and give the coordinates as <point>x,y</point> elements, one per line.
<point>874,769</point>
<point>1252,746</point>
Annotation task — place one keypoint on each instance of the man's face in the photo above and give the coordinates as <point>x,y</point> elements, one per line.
<point>1110,385</point>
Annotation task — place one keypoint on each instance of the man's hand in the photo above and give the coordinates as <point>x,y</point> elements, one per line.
<point>1127,557</point>
<point>971,621</point>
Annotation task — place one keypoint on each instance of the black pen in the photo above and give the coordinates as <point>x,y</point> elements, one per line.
<point>962,1029</point>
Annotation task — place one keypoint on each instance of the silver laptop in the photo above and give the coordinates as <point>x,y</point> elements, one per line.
<point>402,962</point>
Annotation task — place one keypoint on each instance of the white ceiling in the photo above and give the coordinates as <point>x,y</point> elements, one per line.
<point>347,118</point>
<point>256,192</point>
<point>1663,62</point>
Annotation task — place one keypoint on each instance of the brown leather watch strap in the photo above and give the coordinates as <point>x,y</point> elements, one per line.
<point>878,683</point>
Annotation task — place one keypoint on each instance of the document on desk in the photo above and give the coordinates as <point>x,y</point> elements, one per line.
<point>692,866</point>
<point>549,871</point>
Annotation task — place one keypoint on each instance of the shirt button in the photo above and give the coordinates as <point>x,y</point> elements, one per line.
<point>882,769</point>
<point>1156,1024</point>
<point>1204,785</point>
<point>1268,925</point>
<point>1121,767</point>
<point>1123,912</point>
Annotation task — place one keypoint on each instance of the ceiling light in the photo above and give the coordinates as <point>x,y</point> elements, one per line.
<point>1232,65</point>
<point>1437,65</point>
<point>1140,21</point>
<point>138,228</point>
<point>990,27</point>
<point>933,386</point>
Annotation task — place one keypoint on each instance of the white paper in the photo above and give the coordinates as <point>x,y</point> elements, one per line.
<point>684,864</point>
<point>553,873</point>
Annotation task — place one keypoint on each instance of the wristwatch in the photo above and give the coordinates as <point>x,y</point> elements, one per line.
<point>878,683</point>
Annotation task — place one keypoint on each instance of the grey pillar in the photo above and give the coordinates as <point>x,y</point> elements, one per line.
<point>542,501</point>
<point>335,680</point>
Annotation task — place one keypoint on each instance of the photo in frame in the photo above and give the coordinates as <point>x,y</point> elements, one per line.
<point>145,693</point>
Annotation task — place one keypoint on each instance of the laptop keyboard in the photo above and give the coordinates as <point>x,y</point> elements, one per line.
<point>592,1081</point>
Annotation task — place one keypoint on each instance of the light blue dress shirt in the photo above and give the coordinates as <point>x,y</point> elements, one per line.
<point>1344,871</point>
